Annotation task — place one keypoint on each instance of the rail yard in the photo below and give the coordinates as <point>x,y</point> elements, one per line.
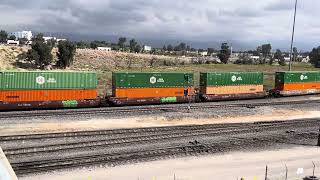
<point>33,151</point>
<point>55,121</point>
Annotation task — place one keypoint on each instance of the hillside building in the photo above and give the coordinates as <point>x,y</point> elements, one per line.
<point>22,34</point>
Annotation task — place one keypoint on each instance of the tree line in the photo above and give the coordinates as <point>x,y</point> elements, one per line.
<point>40,52</point>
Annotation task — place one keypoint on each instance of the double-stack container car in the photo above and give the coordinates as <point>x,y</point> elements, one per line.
<point>52,89</point>
<point>47,89</point>
<point>215,86</point>
<point>297,83</point>
<point>151,88</point>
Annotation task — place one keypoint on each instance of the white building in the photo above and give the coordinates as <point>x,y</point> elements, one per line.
<point>287,59</point>
<point>255,57</point>
<point>22,34</point>
<point>58,40</point>
<point>48,38</point>
<point>205,53</point>
<point>147,48</point>
<point>13,42</point>
<point>104,48</point>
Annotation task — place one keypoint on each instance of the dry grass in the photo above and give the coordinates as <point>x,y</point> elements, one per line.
<point>110,61</point>
<point>9,55</point>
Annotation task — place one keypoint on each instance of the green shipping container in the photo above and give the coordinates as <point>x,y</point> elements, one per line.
<point>151,80</point>
<point>297,77</point>
<point>230,78</point>
<point>41,80</point>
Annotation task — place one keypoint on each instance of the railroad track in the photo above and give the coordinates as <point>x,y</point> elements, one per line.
<point>144,109</point>
<point>165,135</point>
<point>159,136</point>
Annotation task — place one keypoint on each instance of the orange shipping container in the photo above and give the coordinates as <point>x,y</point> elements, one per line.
<point>298,86</point>
<point>46,95</point>
<point>151,92</point>
<point>232,89</point>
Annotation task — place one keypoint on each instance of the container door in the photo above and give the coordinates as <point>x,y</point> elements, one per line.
<point>1,77</point>
<point>187,79</point>
<point>1,86</point>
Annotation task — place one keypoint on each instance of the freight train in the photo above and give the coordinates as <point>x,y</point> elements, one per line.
<point>51,89</point>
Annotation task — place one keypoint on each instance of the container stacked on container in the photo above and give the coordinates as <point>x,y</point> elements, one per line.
<point>297,82</point>
<point>149,87</point>
<point>41,88</point>
<point>231,85</point>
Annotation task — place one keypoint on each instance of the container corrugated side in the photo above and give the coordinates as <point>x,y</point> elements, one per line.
<point>297,77</point>
<point>231,78</point>
<point>40,80</point>
<point>151,80</point>
<point>152,92</point>
<point>47,95</point>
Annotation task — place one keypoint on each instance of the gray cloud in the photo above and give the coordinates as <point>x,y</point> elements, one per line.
<point>202,20</point>
<point>280,6</point>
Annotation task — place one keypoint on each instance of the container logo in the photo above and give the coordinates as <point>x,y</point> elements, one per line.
<point>161,80</point>
<point>40,80</point>
<point>51,80</point>
<point>302,77</point>
<point>235,78</point>
<point>153,80</point>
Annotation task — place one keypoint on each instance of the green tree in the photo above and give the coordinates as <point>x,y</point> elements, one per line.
<point>38,38</point>
<point>278,55</point>
<point>258,51</point>
<point>210,51</point>
<point>188,48</point>
<point>295,54</point>
<point>65,54</point>
<point>93,45</point>
<point>23,41</point>
<point>133,45</point>
<point>122,41</point>
<point>170,47</point>
<point>40,52</point>
<point>180,47</point>
<point>266,51</point>
<point>164,48</point>
<point>51,42</point>
<point>138,48</point>
<point>3,36</point>
<point>12,37</point>
<point>315,57</point>
<point>224,53</point>
<point>82,45</point>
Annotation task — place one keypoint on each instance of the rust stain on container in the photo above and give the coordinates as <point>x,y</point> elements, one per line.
<point>46,95</point>
<point>152,92</point>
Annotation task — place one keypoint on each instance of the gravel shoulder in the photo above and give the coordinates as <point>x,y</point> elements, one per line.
<point>228,166</point>
<point>29,125</point>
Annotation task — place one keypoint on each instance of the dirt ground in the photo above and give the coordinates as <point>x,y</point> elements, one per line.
<point>96,123</point>
<point>230,166</point>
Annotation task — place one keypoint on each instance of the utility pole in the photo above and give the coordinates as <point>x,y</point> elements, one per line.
<point>266,174</point>
<point>292,38</point>
<point>318,144</point>
<point>286,172</point>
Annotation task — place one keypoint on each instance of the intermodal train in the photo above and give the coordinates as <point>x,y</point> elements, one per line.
<point>27,90</point>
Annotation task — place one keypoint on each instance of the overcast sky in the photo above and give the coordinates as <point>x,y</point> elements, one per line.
<point>248,21</point>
